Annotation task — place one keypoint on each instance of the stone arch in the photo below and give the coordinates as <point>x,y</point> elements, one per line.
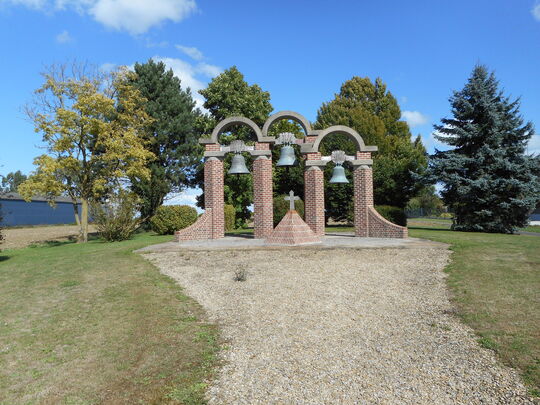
<point>342,129</point>
<point>287,115</point>
<point>228,122</point>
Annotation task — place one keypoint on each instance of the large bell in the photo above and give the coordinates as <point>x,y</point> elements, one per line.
<point>238,165</point>
<point>287,157</point>
<point>338,175</point>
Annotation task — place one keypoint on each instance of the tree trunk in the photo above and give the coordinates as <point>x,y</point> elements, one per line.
<point>83,237</point>
<point>76,213</point>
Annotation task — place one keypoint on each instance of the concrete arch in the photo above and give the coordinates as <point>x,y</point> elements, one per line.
<point>287,115</point>
<point>342,129</point>
<point>228,122</point>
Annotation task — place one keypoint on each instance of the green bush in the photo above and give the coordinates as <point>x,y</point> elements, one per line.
<point>446,215</point>
<point>230,217</point>
<point>117,219</point>
<point>395,215</point>
<point>281,207</point>
<point>171,218</point>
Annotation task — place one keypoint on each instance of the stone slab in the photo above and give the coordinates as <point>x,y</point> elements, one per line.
<point>329,241</point>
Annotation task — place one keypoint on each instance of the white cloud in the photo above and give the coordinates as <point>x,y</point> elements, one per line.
<point>534,145</point>
<point>536,11</point>
<point>133,16</point>
<point>64,37</point>
<point>191,51</point>
<point>186,197</point>
<point>194,76</point>
<point>414,118</point>
<point>107,67</point>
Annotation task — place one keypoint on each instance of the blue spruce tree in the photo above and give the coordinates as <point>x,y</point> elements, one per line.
<point>489,181</point>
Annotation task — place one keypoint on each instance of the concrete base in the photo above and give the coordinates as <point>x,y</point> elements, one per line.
<point>329,241</point>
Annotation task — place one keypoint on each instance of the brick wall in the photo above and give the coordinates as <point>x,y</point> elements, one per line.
<point>214,195</point>
<point>314,199</point>
<point>363,155</point>
<point>263,213</point>
<point>363,199</point>
<point>201,229</point>
<point>380,227</point>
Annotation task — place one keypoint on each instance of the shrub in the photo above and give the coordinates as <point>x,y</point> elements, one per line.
<point>230,217</point>
<point>446,215</point>
<point>281,207</point>
<point>117,219</point>
<point>395,215</point>
<point>171,218</point>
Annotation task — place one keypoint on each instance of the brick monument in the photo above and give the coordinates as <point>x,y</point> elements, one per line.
<point>210,225</point>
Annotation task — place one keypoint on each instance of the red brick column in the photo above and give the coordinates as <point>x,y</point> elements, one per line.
<point>314,199</point>
<point>214,195</point>
<point>363,199</point>
<point>263,212</point>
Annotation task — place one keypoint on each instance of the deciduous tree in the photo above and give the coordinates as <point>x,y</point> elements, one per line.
<point>93,127</point>
<point>11,181</point>
<point>370,109</point>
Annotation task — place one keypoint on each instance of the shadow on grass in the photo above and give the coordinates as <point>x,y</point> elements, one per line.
<point>245,235</point>
<point>4,258</point>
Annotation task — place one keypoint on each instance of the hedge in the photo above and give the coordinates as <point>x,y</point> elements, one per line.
<point>171,218</point>
<point>392,214</point>
<point>230,217</point>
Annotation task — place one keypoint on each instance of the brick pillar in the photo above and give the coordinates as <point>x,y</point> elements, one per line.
<point>314,199</point>
<point>263,215</point>
<point>214,195</point>
<point>363,199</point>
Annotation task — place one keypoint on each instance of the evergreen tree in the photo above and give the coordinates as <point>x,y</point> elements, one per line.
<point>490,183</point>
<point>370,109</point>
<point>229,95</point>
<point>172,136</point>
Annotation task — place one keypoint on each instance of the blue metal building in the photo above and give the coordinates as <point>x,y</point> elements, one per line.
<point>17,212</point>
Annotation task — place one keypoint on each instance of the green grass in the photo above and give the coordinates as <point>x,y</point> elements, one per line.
<point>95,323</point>
<point>532,228</point>
<point>495,285</point>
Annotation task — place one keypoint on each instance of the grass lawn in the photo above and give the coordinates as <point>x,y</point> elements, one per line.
<point>93,323</point>
<point>495,284</point>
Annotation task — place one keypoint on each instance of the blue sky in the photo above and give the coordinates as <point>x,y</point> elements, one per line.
<point>300,51</point>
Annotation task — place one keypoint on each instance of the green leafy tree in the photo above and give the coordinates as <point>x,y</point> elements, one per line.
<point>11,181</point>
<point>370,109</point>
<point>228,94</point>
<point>489,181</point>
<point>93,127</point>
<point>171,136</point>
<point>426,203</point>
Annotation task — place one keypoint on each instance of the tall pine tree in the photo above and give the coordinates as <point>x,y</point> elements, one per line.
<point>172,137</point>
<point>489,181</point>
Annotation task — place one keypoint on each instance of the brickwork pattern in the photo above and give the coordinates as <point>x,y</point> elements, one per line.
<point>201,229</point>
<point>262,146</point>
<point>212,147</point>
<point>314,199</point>
<point>363,155</point>
<point>214,195</point>
<point>292,230</point>
<point>263,212</point>
<point>380,227</point>
<point>363,199</point>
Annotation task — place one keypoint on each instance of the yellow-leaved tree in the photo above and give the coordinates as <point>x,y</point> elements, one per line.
<point>93,127</point>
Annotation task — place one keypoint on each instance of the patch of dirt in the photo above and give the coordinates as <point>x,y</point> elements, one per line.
<point>22,237</point>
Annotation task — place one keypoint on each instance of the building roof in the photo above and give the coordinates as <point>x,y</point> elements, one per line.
<point>17,196</point>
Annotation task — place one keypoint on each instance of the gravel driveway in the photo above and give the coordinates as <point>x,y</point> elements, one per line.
<point>344,326</point>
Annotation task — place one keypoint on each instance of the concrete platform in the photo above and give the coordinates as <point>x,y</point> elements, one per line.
<point>329,241</point>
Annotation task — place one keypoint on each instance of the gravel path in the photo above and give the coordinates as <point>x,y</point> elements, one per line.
<point>344,326</point>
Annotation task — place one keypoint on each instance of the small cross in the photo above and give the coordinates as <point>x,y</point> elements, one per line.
<point>291,198</point>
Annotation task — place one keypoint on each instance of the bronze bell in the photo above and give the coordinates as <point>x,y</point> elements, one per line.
<point>287,157</point>
<point>338,175</point>
<point>238,165</point>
